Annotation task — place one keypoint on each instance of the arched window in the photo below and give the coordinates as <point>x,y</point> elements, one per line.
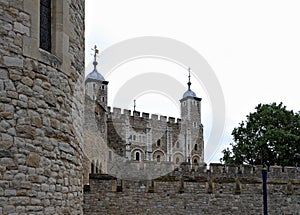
<point>196,147</point>
<point>177,145</point>
<point>92,167</point>
<point>137,156</point>
<point>110,155</point>
<point>158,143</point>
<point>134,137</point>
<point>158,158</point>
<point>195,161</point>
<point>177,160</point>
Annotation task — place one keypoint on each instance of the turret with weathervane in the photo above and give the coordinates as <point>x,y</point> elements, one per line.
<point>140,137</point>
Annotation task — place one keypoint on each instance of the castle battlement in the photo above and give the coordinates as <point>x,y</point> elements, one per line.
<point>190,189</point>
<point>215,170</point>
<point>125,113</point>
<point>218,169</point>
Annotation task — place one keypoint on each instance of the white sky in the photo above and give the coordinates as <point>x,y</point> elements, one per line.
<point>252,46</point>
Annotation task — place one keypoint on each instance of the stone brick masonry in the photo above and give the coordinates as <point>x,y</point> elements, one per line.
<point>218,190</point>
<point>40,143</point>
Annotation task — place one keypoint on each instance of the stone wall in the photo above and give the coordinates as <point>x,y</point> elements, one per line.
<point>41,98</point>
<point>218,190</point>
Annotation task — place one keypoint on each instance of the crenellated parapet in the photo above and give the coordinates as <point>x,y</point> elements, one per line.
<point>190,189</point>
<point>115,112</point>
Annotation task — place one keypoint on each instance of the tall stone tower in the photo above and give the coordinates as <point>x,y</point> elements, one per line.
<point>192,128</point>
<point>95,127</point>
<point>41,96</point>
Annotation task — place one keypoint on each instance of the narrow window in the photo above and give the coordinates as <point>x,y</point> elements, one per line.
<point>196,147</point>
<point>177,145</point>
<point>109,155</point>
<point>45,25</point>
<point>158,158</point>
<point>158,143</point>
<point>137,156</point>
<point>177,160</point>
<point>92,167</point>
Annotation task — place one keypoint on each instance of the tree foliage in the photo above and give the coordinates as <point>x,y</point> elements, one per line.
<point>270,135</point>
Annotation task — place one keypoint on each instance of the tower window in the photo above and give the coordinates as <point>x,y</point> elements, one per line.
<point>158,158</point>
<point>177,145</point>
<point>137,156</point>
<point>195,161</point>
<point>184,103</point>
<point>177,160</point>
<point>158,143</point>
<point>196,147</point>
<point>45,25</point>
<point>103,87</point>
<point>110,155</point>
<point>195,124</point>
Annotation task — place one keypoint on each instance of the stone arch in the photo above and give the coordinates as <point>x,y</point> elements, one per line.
<point>158,155</point>
<point>178,158</point>
<point>196,160</point>
<point>137,154</point>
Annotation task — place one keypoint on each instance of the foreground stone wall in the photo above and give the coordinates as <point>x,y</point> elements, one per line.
<point>219,190</point>
<point>40,109</point>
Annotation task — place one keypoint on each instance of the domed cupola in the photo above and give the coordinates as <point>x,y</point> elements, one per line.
<point>189,92</point>
<point>95,85</point>
<point>95,75</point>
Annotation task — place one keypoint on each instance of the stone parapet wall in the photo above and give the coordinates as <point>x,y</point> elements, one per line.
<point>217,190</point>
<point>118,113</point>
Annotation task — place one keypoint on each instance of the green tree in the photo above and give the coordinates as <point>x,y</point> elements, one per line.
<point>270,135</point>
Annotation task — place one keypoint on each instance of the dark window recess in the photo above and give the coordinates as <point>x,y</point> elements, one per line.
<point>137,156</point>
<point>45,25</point>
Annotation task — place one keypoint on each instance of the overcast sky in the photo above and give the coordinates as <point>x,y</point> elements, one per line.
<point>252,46</point>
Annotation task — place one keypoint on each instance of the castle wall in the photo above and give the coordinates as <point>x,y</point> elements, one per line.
<point>94,137</point>
<point>219,190</point>
<point>41,99</point>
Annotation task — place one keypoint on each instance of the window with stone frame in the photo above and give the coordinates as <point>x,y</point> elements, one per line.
<point>137,156</point>
<point>45,25</point>
<point>158,158</point>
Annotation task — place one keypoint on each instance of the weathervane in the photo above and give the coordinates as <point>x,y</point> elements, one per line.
<point>96,52</point>
<point>189,83</point>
